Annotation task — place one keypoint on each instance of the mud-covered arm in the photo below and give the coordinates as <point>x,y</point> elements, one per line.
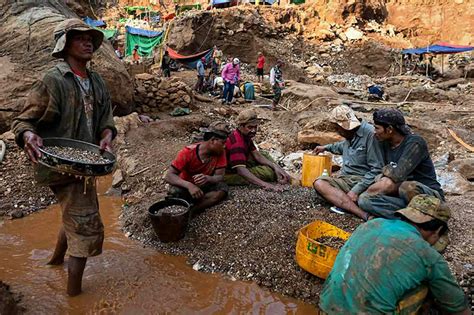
<point>41,105</point>
<point>447,293</point>
<point>412,155</point>
<point>375,163</point>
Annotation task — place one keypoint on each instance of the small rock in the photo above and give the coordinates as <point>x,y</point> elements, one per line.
<point>17,214</point>
<point>117,178</point>
<point>353,34</point>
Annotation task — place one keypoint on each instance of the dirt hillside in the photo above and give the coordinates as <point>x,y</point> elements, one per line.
<point>25,52</point>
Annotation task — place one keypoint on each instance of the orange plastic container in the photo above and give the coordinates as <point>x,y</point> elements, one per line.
<point>313,256</point>
<point>313,167</point>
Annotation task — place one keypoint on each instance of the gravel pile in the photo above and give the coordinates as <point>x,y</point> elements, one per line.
<point>172,210</point>
<point>78,155</point>
<point>251,236</point>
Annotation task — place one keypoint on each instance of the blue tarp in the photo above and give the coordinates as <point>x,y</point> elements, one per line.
<point>217,2</point>
<point>436,49</point>
<point>139,31</point>
<point>94,23</point>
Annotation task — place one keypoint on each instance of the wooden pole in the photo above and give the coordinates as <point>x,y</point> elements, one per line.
<point>442,64</point>
<point>401,64</point>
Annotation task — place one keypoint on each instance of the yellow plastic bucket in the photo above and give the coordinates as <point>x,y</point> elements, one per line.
<point>313,256</point>
<point>313,167</point>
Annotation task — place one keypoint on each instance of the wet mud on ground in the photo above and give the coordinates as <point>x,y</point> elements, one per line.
<point>125,278</point>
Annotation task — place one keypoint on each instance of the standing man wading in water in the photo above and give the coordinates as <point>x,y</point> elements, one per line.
<point>70,101</point>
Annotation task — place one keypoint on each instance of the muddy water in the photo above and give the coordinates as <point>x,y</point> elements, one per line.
<point>126,278</point>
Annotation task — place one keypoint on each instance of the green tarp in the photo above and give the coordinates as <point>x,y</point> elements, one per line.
<point>145,44</point>
<point>133,9</point>
<point>108,33</point>
<point>297,1</point>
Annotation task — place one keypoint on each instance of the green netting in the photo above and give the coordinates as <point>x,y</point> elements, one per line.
<point>188,7</point>
<point>108,33</point>
<point>133,9</point>
<point>145,44</point>
<point>297,1</point>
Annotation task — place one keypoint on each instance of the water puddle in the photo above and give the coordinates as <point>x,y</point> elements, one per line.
<point>126,278</point>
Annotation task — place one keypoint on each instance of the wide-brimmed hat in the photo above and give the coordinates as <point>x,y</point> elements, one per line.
<point>424,208</point>
<point>218,128</point>
<point>247,116</point>
<point>344,116</point>
<point>63,28</point>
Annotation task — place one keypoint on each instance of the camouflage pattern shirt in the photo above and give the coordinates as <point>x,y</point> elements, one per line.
<point>382,261</point>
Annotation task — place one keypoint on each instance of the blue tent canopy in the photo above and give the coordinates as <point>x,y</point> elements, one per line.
<point>217,2</point>
<point>94,23</point>
<point>139,31</point>
<point>437,49</point>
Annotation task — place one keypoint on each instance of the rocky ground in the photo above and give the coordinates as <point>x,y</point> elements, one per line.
<point>252,235</point>
<point>19,196</point>
<point>332,51</point>
<point>9,301</point>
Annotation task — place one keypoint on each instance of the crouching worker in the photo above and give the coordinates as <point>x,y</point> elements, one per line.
<point>362,162</point>
<point>388,266</point>
<point>247,164</point>
<point>408,170</point>
<point>197,173</point>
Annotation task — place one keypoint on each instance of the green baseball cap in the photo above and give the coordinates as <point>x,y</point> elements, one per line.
<point>424,208</point>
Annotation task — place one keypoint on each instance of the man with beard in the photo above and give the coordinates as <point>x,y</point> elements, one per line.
<point>362,162</point>
<point>197,173</point>
<point>247,164</point>
<point>70,101</point>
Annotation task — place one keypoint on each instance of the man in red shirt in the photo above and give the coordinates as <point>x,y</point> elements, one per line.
<point>260,65</point>
<point>247,163</point>
<point>197,173</point>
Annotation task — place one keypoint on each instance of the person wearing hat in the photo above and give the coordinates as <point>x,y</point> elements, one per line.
<point>408,169</point>
<point>362,161</point>
<point>197,172</point>
<point>231,76</point>
<point>388,266</point>
<point>70,101</point>
<point>135,55</point>
<point>277,83</point>
<point>200,75</point>
<point>247,165</point>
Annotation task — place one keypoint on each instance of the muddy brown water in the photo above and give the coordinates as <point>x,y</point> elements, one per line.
<point>126,278</point>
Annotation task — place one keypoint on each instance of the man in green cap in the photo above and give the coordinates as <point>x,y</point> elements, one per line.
<point>388,266</point>
<point>70,101</point>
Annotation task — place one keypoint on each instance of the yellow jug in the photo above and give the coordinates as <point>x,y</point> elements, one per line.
<point>313,167</point>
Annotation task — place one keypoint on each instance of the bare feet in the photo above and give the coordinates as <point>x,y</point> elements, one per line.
<point>56,260</point>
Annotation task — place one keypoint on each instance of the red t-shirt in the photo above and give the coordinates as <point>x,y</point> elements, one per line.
<point>238,148</point>
<point>260,62</point>
<point>189,164</point>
